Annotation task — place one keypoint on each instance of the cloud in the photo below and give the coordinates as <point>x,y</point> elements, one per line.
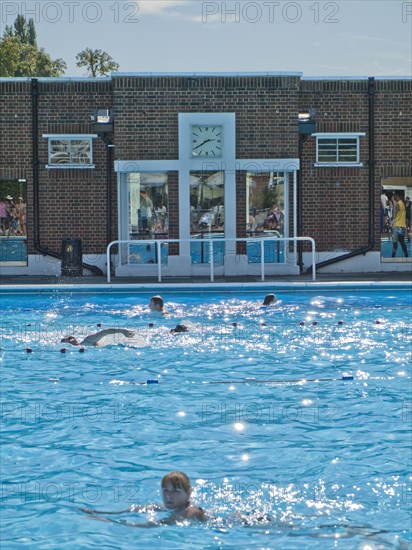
<point>177,9</point>
<point>379,39</point>
<point>159,7</point>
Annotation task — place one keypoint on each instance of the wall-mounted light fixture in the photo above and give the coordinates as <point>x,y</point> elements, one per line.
<point>307,122</point>
<point>304,116</point>
<point>102,120</point>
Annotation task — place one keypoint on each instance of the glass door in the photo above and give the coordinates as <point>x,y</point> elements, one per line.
<point>13,223</point>
<point>147,216</point>
<point>266,215</point>
<point>207,216</point>
<point>395,212</point>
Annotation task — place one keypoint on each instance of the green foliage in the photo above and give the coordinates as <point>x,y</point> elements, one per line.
<point>21,29</point>
<point>31,33</point>
<point>20,56</point>
<point>14,188</point>
<point>97,62</point>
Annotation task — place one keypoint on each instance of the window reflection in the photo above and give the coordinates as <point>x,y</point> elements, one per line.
<point>13,223</point>
<point>401,186</point>
<point>207,213</point>
<point>148,200</point>
<point>265,203</point>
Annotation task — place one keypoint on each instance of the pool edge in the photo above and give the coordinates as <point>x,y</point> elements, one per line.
<point>209,287</point>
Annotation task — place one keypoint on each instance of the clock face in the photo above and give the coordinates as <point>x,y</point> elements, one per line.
<point>207,141</point>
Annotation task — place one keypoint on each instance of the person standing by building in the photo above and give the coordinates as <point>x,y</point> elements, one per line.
<point>384,209</point>
<point>146,211</point>
<point>408,218</point>
<point>399,225</point>
<point>21,215</point>
<point>3,216</point>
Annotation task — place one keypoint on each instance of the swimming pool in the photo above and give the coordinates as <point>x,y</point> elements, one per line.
<point>200,252</point>
<point>328,460</point>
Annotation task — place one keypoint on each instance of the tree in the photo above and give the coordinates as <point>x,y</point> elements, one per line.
<point>20,56</point>
<point>21,29</point>
<point>97,62</point>
<point>31,33</point>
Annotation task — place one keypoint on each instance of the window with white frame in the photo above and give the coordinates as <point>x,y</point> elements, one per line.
<point>335,149</point>
<point>70,151</point>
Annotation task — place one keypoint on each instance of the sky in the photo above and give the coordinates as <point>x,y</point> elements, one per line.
<point>316,38</point>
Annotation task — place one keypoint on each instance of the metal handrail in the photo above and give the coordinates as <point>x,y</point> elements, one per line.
<point>158,244</point>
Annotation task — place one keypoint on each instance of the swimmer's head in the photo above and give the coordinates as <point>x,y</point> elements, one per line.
<point>176,490</point>
<point>70,340</point>
<point>180,328</point>
<point>178,480</point>
<point>269,299</point>
<point>156,303</point>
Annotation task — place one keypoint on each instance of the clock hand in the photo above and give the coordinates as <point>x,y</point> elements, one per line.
<point>206,141</point>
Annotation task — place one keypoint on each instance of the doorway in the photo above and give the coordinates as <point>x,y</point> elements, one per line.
<point>13,223</point>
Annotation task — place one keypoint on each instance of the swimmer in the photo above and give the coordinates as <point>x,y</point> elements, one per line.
<point>95,339</point>
<point>269,300</point>
<point>176,492</point>
<point>156,304</point>
<point>180,328</point>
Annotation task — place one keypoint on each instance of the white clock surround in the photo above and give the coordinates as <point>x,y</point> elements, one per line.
<point>186,163</point>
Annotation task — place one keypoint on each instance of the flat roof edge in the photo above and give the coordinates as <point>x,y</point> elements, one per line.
<point>63,79</point>
<point>193,74</point>
<point>55,78</point>
<point>356,77</point>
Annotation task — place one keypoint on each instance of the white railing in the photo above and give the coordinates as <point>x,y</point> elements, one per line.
<point>262,241</point>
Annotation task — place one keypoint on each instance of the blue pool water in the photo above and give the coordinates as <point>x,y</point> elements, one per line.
<point>200,252</point>
<point>387,246</point>
<point>13,249</point>
<point>326,462</point>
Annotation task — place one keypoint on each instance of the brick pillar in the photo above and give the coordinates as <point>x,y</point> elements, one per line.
<point>241,210</point>
<point>173,184</point>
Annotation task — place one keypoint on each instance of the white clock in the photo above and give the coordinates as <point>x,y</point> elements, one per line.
<point>207,140</point>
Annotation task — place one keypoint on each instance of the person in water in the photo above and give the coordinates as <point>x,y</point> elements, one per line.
<point>180,328</point>
<point>270,299</point>
<point>96,338</point>
<point>176,493</point>
<point>157,304</point>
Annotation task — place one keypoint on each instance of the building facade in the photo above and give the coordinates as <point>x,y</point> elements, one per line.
<point>189,169</point>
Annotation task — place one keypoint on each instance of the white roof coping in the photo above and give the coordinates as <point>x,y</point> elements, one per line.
<point>188,74</point>
<point>356,77</point>
<point>409,77</point>
<point>217,74</point>
<point>56,79</point>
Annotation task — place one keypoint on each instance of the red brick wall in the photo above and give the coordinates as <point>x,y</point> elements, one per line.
<point>393,129</point>
<point>334,200</point>
<point>173,186</point>
<point>241,214</point>
<point>15,137</point>
<point>72,203</point>
<point>147,108</point>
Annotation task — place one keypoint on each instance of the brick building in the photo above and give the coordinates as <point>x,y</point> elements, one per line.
<point>194,157</point>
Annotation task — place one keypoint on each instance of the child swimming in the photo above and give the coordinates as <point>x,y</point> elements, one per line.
<point>176,492</point>
<point>96,339</point>
<point>269,300</point>
<point>156,304</point>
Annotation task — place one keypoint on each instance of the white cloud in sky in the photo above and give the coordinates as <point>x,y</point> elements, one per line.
<point>159,7</point>
<point>379,39</point>
<point>177,9</point>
